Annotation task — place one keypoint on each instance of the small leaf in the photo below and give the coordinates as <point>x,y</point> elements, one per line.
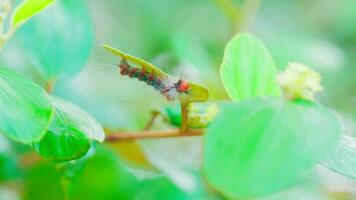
<point>142,63</point>
<point>258,147</point>
<point>174,115</point>
<point>196,92</point>
<point>343,158</point>
<point>28,9</point>
<point>248,69</point>
<point>59,39</point>
<point>26,110</point>
<point>69,134</point>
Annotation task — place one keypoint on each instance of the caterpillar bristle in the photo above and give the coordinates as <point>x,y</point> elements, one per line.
<point>169,89</point>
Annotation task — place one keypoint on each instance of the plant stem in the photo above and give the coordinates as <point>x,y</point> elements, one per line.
<point>127,136</point>
<point>232,13</point>
<point>5,6</point>
<point>184,113</point>
<point>149,124</point>
<point>238,17</point>
<point>49,85</point>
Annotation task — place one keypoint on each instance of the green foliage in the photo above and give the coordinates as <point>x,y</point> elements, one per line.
<point>248,69</point>
<point>26,109</point>
<point>343,158</point>
<point>255,147</point>
<point>258,147</point>
<point>60,38</point>
<point>42,181</point>
<point>69,134</point>
<point>102,177</point>
<point>27,9</point>
<point>8,166</point>
<point>161,188</point>
<point>174,115</point>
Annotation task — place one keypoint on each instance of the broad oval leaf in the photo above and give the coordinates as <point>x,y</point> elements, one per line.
<point>26,109</point>
<point>69,134</point>
<point>343,158</point>
<point>28,9</point>
<point>248,69</point>
<point>59,39</point>
<point>258,147</point>
<point>196,92</point>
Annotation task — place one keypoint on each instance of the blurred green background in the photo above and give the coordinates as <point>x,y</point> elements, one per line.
<point>187,39</point>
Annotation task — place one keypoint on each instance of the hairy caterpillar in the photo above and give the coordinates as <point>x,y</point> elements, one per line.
<point>170,87</point>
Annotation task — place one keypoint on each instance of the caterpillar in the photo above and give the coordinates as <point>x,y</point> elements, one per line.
<point>168,86</point>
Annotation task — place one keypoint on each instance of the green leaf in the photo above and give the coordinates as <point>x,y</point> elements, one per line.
<point>42,181</point>
<point>248,69</point>
<point>59,39</point>
<point>196,92</point>
<point>28,9</point>
<point>174,115</point>
<point>25,107</point>
<point>151,68</point>
<point>69,134</point>
<point>113,181</point>
<point>8,161</point>
<point>258,147</point>
<point>162,188</point>
<point>343,159</point>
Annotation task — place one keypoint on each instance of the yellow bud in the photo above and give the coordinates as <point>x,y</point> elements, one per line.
<point>299,82</point>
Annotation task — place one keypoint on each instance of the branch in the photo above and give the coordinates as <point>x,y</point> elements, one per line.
<point>129,136</point>
<point>154,115</point>
<point>184,113</point>
<point>49,86</point>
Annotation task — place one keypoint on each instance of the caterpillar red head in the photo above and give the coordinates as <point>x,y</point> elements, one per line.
<point>182,85</point>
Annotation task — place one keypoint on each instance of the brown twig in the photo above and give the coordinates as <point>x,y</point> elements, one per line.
<point>125,136</point>
<point>149,124</point>
<point>49,86</point>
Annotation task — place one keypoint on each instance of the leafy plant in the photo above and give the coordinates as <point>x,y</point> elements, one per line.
<point>23,102</point>
<point>23,12</point>
<point>248,69</point>
<point>58,130</point>
<point>267,137</point>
